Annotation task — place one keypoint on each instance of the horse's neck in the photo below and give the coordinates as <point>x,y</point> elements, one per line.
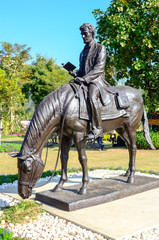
<point>45,119</point>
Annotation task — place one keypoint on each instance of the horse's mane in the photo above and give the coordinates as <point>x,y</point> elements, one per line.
<point>42,119</point>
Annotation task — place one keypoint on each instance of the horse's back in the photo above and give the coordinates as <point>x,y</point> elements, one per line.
<point>133,95</point>
<point>128,90</point>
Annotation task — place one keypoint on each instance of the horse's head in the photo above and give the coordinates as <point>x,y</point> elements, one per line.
<point>30,169</point>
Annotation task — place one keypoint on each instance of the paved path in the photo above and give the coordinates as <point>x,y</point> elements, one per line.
<point>114,219</point>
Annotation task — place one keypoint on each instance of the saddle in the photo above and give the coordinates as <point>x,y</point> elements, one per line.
<point>111,103</point>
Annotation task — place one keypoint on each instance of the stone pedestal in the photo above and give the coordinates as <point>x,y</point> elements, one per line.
<point>99,191</point>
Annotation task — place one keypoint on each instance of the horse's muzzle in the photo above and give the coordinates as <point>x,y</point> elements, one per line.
<point>24,191</point>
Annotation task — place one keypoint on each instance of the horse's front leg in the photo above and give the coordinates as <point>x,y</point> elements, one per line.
<point>65,147</point>
<point>83,161</point>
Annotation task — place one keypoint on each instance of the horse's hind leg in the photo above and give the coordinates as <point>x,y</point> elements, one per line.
<point>129,135</point>
<point>65,147</point>
<point>132,156</point>
<point>83,161</point>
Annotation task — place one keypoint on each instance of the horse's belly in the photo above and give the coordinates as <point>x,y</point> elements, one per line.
<point>109,125</point>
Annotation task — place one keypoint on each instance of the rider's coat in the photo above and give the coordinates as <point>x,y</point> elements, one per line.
<point>92,64</point>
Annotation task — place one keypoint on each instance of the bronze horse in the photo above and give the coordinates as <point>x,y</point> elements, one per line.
<point>47,119</point>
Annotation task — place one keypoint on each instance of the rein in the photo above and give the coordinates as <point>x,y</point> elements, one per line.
<point>30,184</point>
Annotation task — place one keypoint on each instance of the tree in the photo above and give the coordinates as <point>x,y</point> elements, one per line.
<point>13,62</point>
<point>129,30</point>
<point>46,76</point>
<point>11,98</point>
<point>13,59</point>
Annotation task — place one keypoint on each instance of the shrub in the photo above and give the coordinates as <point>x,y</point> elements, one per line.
<point>5,234</point>
<point>141,142</point>
<point>8,178</point>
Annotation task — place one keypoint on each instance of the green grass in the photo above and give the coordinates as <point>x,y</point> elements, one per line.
<point>10,147</point>
<point>10,143</point>
<point>19,212</point>
<point>110,157</point>
<point>12,139</point>
<point>7,136</point>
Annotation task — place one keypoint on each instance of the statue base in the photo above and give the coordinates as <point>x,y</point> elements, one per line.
<point>99,191</point>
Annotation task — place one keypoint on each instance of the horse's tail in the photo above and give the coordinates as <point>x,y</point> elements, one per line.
<point>146,129</point>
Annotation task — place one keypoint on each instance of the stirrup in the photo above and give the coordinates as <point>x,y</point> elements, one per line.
<point>95,135</point>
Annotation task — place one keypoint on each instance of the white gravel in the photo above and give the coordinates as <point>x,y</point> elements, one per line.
<point>49,227</point>
<point>45,226</point>
<point>7,201</point>
<point>147,234</point>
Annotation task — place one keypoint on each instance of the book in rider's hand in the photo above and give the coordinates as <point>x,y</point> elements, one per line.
<point>68,66</point>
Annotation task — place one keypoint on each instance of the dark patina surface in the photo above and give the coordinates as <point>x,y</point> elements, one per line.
<point>99,191</point>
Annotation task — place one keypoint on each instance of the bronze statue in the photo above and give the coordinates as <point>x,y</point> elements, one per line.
<point>64,106</point>
<point>91,73</point>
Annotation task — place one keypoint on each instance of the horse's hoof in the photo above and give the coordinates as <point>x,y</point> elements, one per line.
<point>82,191</point>
<point>57,189</point>
<point>131,180</point>
<point>127,173</point>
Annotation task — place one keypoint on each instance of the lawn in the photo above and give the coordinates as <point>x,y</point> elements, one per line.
<point>110,157</point>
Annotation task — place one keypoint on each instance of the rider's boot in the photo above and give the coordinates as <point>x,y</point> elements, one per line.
<point>97,130</point>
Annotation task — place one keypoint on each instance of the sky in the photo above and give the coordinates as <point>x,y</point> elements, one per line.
<point>49,27</point>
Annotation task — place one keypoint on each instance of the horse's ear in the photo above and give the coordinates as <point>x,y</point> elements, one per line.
<point>14,155</point>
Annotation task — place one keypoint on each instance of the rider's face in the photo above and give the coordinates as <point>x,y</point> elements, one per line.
<point>87,36</point>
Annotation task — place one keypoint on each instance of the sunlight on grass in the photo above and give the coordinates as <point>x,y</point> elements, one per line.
<point>110,157</point>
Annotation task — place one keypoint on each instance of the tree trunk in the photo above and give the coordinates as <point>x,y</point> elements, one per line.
<point>12,117</point>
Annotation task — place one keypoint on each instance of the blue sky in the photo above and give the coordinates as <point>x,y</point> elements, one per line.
<point>50,27</point>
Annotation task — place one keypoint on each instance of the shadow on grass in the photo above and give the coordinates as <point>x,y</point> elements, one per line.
<point>89,146</point>
<point>15,142</point>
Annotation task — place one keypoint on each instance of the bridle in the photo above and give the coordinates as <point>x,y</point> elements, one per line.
<point>30,183</point>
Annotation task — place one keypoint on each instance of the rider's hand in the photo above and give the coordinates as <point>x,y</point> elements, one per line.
<point>72,73</point>
<point>79,80</point>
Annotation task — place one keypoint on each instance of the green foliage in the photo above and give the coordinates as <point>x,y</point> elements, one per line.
<point>5,234</point>
<point>8,178</point>
<point>141,142</point>
<point>18,212</point>
<point>45,77</point>
<point>13,74</point>
<point>10,91</point>
<point>23,86</point>
<point>129,30</point>
<point>13,58</point>
<point>12,102</point>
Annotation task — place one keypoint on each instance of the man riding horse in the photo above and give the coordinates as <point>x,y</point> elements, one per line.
<point>91,73</point>
<point>48,115</point>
